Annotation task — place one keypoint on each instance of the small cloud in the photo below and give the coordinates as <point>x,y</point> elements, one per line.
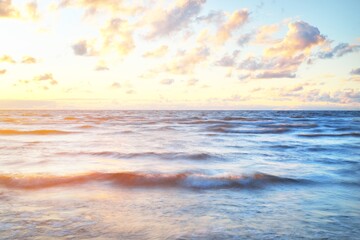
<point>101,66</point>
<point>83,48</point>
<point>272,74</point>
<point>339,50</point>
<point>300,39</point>
<point>192,82</point>
<point>47,77</point>
<point>175,19</point>
<point>236,20</point>
<point>216,17</point>
<point>228,60</point>
<point>2,71</point>
<point>115,85</point>
<point>7,10</point>
<point>159,52</point>
<point>244,39</point>
<point>355,71</point>
<point>7,59</point>
<point>244,76</point>
<point>28,60</point>
<point>167,81</point>
<point>31,10</point>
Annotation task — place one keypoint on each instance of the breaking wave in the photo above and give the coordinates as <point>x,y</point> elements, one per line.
<point>148,180</point>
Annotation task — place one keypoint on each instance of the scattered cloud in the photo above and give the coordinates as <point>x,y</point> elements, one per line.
<point>237,19</point>
<point>94,6</point>
<point>2,71</point>
<point>165,22</point>
<point>28,60</point>
<point>46,77</point>
<point>158,52</point>
<point>300,38</point>
<point>167,81</point>
<point>6,59</point>
<point>7,10</point>
<point>32,10</point>
<point>186,62</point>
<point>192,82</point>
<point>216,17</point>
<point>83,48</point>
<point>244,39</point>
<point>101,66</point>
<point>115,85</point>
<point>264,34</point>
<point>355,71</point>
<point>228,60</point>
<point>339,50</point>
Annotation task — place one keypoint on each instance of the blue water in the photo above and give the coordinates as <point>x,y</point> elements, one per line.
<point>180,174</point>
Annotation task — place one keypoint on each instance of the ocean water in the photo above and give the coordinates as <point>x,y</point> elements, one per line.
<point>179,174</point>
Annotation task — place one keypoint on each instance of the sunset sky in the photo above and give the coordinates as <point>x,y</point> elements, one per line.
<point>185,54</point>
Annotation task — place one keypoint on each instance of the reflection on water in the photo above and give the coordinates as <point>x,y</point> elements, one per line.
<point>179,174</point>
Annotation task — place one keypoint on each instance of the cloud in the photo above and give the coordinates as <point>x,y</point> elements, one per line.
<point>236,20</point>
<point>273,74</point>
<point>94,6</point>
<point>244,39</point>
<point>339,50</point>
<point>186,62</point>
<point>163,23</point>
<point>278,67</point>
<point>355,71</point>
<point>159,52</point>
<point>115,85</point>
<point>300,38</point>
<point>31,10</point>
<point>345,96</point>
<point>28,60</point>
<point>213,17</point>
<point>6,59</point>
<point>167,81</point>
<point>228,60</point>
<point>7,10</point>
<point>117,35</point>
<point>2,71</point>
<point>101,66</point>
<point>264,34</point>
<point>46,77</point>
<point>83,48</point>
<point>192,82</point>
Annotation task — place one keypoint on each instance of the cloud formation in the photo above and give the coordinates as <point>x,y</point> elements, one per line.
<point>2,71</point>
<point>46,77</point>
<point>101,66</point>
<point>355,71</point>
<point>186,62</point>
<point>7,59</point>
<point>167,81</point>
<point>163,23</point>
<point>339,50</point>
<point>237,19</point>
<point>7,10</point>
<point>28,60</point>
<point>300,38</point>
<point>158,52</point>
<point>228,60</point>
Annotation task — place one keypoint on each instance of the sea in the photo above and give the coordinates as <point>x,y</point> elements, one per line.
<point>179,174</point>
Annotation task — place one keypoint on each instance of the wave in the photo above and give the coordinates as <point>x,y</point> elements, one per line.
<point>221,129</point>
<point>148,180</point>
<point>314,135</point>
<point>32,132</point>
<point>158,155</point>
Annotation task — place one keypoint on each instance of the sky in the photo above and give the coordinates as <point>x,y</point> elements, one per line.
<point>184,54</point>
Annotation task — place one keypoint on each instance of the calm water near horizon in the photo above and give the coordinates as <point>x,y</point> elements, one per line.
<point>179,174</point>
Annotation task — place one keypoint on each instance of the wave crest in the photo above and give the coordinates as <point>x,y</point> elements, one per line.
<point>149,180</point>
